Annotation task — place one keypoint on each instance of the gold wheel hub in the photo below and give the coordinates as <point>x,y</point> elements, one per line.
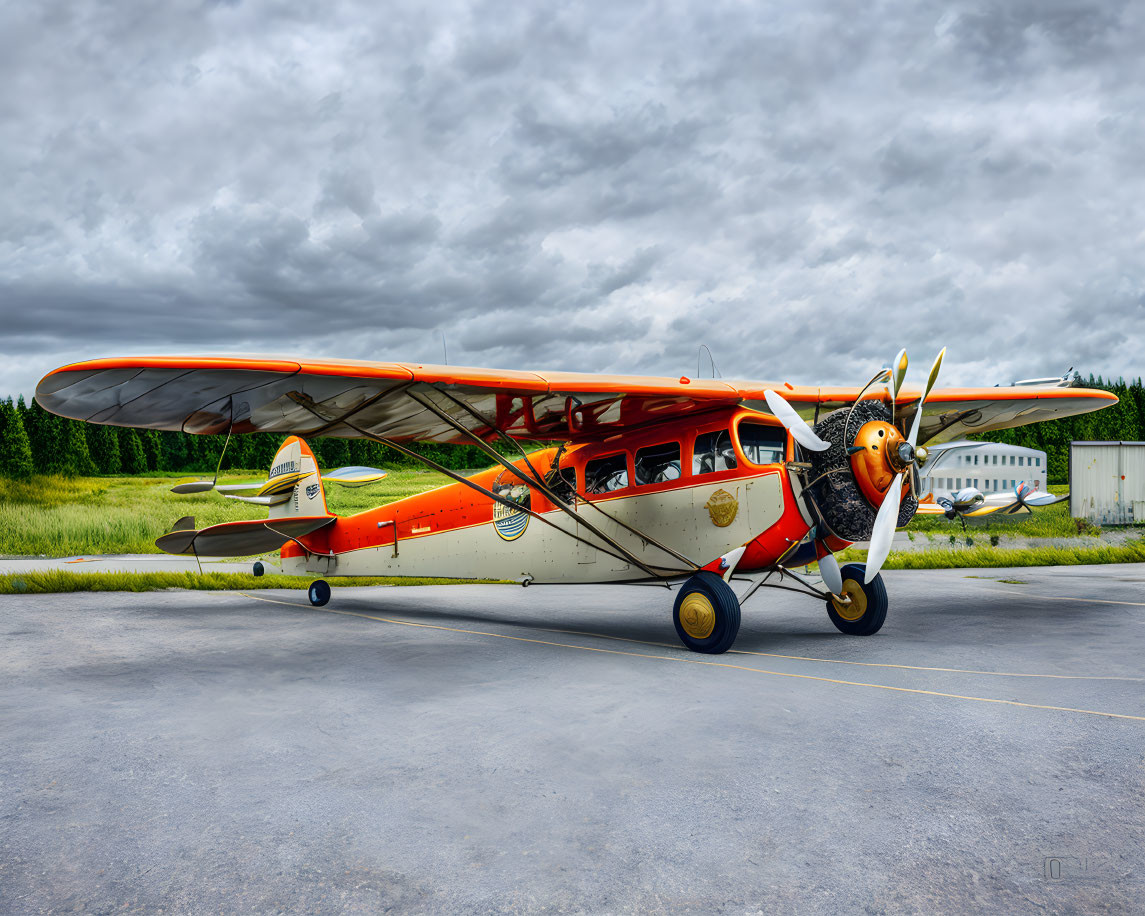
<point>697,616</point>
<point>855,608</point>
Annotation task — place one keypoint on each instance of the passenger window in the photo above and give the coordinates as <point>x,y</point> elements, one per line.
<point>563,483</point>
<point>713,452</point>
<point>657,464</point>
<point>762,444</point>
<point>604,475</point>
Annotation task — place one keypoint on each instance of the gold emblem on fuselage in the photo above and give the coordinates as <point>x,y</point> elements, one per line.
<point>722,507</point>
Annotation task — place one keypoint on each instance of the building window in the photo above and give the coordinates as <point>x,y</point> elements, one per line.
<point>713,452</point>
<point>975,459</point>
<point>1037,462</point>
<point>1021,461</point>
<point>995,459</point>
<point>1011,461</point>
<point>958,482</point>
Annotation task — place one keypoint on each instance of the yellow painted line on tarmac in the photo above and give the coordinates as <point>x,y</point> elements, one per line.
<point>840,661</point>
<point>697,661</point>
<point>1018,594</point>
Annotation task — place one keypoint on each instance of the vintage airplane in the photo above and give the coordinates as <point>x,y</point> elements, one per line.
<point>677,481</point>
<point>970,503</point>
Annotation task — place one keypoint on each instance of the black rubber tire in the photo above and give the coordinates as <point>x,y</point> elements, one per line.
<point>724,604</point>
<point>258,568</point>
<point>876,612</point>
<point>837,496</point>
<point>319,592</point>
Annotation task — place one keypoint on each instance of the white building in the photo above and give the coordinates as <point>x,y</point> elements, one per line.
<point>991,467</point>
<point>1107,482</point>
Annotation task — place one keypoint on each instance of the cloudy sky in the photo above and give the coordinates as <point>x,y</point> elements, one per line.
<point>803,187</point>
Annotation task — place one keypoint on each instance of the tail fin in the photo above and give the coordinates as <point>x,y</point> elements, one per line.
<point>307,496</point>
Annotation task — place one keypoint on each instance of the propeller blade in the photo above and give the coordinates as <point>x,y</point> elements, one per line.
<point>900,364</point>
<point>884,530</point>
<point>832,576</point>
<point>795,424</point>
<point>1043,499</point>
<point>195,486</point>
<point>898,367</point>
<point>913,438</point>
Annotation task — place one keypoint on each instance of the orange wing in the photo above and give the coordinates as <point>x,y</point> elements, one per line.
<point>345,399</point>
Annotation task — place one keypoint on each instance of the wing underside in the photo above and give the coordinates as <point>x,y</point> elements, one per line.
<point>416,403</point>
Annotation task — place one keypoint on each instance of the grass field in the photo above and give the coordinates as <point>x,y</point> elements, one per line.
<point>995,557</point>
<point>61,517</point>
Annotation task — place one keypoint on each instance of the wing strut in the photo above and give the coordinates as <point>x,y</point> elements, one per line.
<point>537,481</point>
<point>627,557</point>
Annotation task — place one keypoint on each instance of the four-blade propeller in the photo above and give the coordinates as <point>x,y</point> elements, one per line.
<point>887,518</point>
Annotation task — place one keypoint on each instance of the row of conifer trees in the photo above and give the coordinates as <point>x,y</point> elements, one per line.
<point>33,441</point>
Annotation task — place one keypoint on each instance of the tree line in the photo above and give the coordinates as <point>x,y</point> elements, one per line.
<point>1125,421</point>
<point>33,441</point>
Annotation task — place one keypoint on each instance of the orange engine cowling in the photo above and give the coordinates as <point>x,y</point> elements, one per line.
<point>879,453</point>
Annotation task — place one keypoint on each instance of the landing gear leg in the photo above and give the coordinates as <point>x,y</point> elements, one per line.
<point>706,614</point>
<point>863,614</point>
<point>319,592</point>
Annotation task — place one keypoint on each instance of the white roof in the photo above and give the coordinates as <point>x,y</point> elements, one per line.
<point>988,448</point>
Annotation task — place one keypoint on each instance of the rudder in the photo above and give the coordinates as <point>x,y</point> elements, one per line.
<point>307,497</point>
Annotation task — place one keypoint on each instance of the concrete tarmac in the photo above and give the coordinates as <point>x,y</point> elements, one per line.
<point>499,749</point>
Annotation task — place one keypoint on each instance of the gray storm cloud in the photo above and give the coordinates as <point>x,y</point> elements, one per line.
<point>598,187</point>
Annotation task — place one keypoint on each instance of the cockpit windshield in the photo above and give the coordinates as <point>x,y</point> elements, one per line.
<point>761,442</point>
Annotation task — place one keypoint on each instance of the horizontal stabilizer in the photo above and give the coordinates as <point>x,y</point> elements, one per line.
<point>260,500</point>
<point>282,483</point>
<point>241,487</point>
<point>241,539</point>
<point>356,476</point>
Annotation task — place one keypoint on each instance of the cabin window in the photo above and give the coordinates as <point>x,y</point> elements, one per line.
<point>713,452</point>
<point>761,443</point>
<point>657,464</point>
<point>604,475</point>
<point>562,483</point>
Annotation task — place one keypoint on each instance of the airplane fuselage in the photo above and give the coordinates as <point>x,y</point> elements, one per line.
<point>694,489</point>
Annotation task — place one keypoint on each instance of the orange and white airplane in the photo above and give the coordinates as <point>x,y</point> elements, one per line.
<point>688,482</point>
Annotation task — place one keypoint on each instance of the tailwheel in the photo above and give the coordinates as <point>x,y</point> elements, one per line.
<point>706,614</point>
<point>319,592</point>
<point>866,608</point>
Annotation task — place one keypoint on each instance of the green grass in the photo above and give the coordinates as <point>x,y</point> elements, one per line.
<point>994,557</point>
<point>60,517</point>
<point>39,583</point>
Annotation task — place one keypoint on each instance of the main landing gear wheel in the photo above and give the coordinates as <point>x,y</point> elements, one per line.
<point>864,614</point>
<point>706,614</point>
<point>319,593</point>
